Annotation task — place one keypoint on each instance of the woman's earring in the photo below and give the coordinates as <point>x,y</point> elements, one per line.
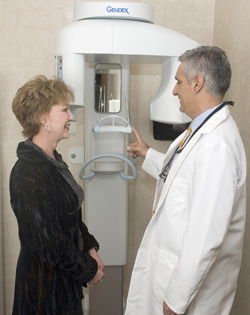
<point>46,128</point>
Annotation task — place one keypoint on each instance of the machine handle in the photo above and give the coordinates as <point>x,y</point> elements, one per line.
<point>120,157</point>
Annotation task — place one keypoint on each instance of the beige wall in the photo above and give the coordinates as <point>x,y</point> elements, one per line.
<point>27,44</point>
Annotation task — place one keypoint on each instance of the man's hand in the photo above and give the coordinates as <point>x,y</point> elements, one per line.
<point>167,310</point>
<point>100,274</point>
<point>139,148</point>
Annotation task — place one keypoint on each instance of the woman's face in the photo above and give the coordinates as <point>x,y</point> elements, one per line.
<point>59,119</point>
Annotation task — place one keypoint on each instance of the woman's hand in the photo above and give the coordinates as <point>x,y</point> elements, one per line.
<point>100,274</point>
<point>93,253</point>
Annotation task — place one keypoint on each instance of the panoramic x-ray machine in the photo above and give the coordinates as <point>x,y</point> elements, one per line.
<point>93,56</point>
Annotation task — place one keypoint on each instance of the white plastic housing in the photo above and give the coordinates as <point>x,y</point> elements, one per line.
<point>169,112</point>
<point>121,33</point>
<point>113,10</point>
<point>126,41</point>
<point>70,68</point>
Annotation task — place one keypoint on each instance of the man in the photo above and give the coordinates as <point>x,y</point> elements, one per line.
<point>190,256</point>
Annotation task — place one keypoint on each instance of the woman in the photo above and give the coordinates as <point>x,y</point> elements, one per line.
<point>58,255</point>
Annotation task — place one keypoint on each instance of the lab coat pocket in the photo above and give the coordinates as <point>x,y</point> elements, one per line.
<point>177,195</point>
<point>163,266</point>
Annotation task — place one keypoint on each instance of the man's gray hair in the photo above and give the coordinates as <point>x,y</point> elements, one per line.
<point>212,63</point>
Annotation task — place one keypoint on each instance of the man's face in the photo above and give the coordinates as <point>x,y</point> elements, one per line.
<point>184,91</point>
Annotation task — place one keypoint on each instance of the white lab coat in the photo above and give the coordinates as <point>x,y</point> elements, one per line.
<point>191,251</point>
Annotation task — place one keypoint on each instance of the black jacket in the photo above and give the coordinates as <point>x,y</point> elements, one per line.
<point>52,264</point>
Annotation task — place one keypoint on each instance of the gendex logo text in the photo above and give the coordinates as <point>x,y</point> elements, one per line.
<point>117,10</point>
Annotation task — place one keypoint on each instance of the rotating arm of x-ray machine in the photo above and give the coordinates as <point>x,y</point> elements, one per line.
<point>96,157</point>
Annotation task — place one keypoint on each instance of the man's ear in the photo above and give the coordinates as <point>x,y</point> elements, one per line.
<point>198,82</point>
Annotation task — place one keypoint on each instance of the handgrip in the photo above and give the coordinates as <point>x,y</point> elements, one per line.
<point>120,157</point>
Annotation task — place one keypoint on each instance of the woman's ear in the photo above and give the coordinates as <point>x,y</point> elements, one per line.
<point>198,82</point>
<point>43,119</point>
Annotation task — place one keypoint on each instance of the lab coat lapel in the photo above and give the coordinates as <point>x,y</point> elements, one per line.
<point>175,167</point>
<point>170,153</point>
